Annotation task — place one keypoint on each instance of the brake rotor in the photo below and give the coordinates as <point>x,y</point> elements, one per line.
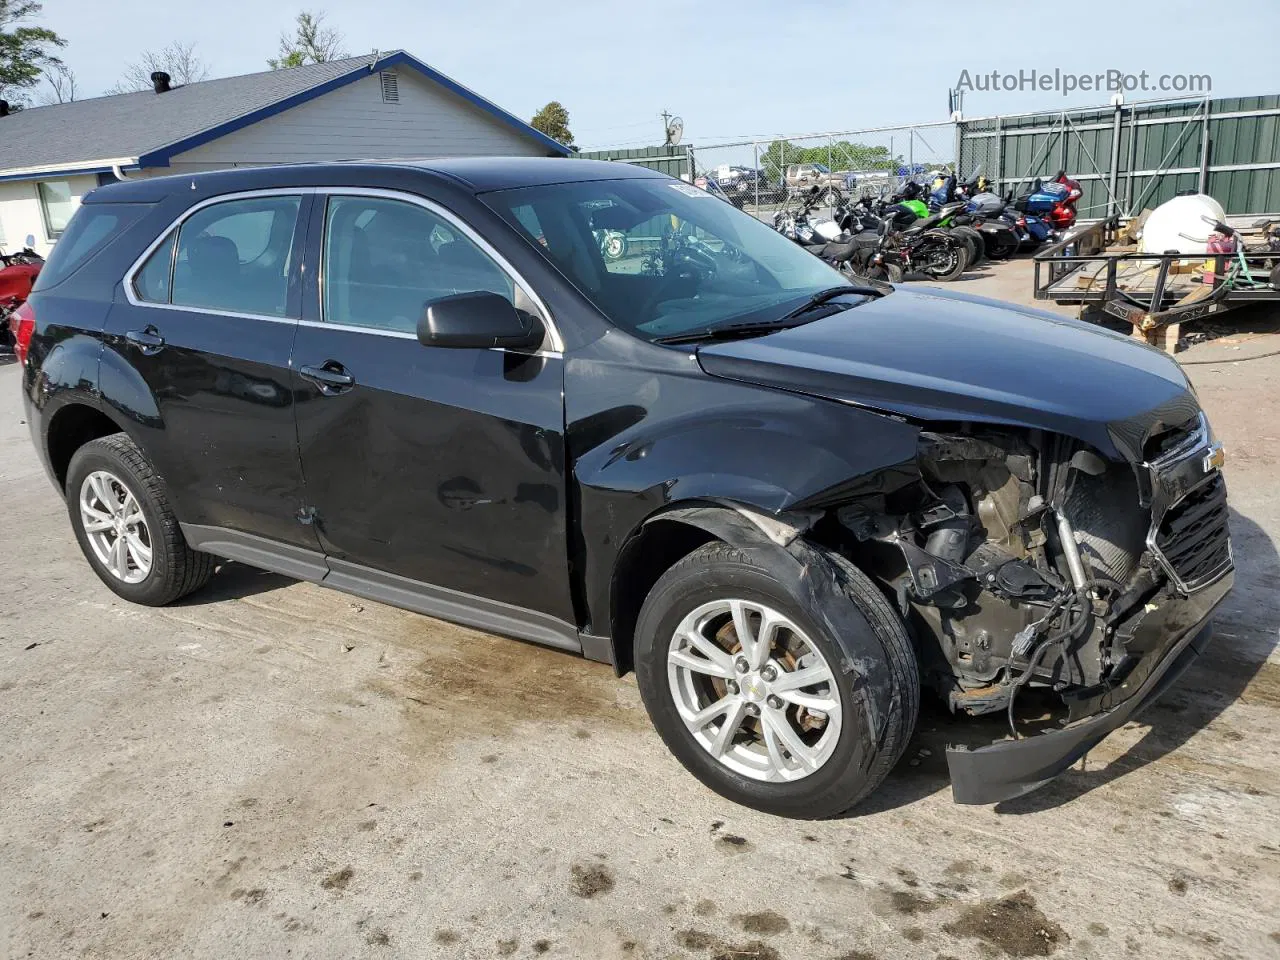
<point>727,639</point>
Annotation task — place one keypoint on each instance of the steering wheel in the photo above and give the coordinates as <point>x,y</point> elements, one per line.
<point>684,273</point>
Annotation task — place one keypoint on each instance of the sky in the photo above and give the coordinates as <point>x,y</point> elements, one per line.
<point>731,69</point>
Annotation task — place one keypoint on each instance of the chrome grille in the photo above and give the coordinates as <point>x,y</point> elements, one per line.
<point>1192,538</point>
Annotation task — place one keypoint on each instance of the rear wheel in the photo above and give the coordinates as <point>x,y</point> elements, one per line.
<point>940,257</point>
<point>753,695</point>
<point>125,526</point>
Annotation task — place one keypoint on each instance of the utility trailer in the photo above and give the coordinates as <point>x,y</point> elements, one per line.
<point>1098,267</point>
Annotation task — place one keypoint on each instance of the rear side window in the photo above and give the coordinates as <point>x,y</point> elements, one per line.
<point>92,226</point>
<point>234,256</point>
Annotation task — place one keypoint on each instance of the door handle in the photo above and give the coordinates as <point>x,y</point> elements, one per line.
<point>331,377</point>
<point>147,340</point>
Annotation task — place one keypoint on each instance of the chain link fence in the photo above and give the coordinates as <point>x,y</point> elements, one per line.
<point>762,175</point>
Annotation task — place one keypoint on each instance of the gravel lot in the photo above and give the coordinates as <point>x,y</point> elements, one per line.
<point>273,769</point>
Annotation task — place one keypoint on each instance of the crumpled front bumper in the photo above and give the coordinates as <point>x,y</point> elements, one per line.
<point>1171,637</point>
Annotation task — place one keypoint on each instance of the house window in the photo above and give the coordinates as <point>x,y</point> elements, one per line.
<point>390,88</point>
<point>56,206</point>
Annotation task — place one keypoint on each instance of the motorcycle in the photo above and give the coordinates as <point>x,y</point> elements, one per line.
<point>904,239</point>
<point>821,236</point>
<point>951,210</point>
<point>17,276</point>
<point>1054,201</point>
<point>1000,236</point>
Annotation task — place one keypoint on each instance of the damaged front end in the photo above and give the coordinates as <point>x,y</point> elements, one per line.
<point>1025,561</point>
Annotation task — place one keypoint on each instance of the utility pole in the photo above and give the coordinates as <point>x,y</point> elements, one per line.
<point>666,128</point>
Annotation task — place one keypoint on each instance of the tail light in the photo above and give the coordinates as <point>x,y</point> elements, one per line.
<point>22,324</point>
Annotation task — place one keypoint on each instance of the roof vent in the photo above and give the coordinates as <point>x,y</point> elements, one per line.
<point>160,81</point>
<point>390,88</point>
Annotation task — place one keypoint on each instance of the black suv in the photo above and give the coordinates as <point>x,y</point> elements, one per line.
<point>785,502</point>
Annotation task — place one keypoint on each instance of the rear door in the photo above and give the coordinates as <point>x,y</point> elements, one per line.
<point>444,466</point>
<point>207,323</point>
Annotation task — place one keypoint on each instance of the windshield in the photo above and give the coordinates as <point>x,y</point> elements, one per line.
<point>660,257</point>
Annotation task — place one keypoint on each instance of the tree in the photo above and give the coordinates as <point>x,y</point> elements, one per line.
<point>553,120</point>
<point>178,60</point>
<point>25,51</point>
<point>312,42</point>
<point>839,155</point>
<point>62,84</point>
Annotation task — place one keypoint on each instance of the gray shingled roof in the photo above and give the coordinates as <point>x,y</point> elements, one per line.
<point>129,125</point>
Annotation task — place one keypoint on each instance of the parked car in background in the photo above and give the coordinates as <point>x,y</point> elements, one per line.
<point>18,272</point>
<point>786,502</point>
<point>802,176</point>
<point>744,185</point>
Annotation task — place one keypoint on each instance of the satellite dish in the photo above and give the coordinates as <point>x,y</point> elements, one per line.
<point>675,130</point>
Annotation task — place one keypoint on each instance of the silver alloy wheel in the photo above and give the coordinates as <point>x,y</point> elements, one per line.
<point>754,691</point>
<point>115,527</point>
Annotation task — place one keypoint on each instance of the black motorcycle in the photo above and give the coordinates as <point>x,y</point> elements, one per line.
<point>917,242</point>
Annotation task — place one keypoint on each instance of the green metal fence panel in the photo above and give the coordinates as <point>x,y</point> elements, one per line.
<point>673,161</point>
<point>1228,147</point>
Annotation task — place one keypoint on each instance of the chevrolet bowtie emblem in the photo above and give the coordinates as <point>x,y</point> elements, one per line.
<point>1215,458</point>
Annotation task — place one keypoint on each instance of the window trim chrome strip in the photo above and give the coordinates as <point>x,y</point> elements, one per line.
<point>130,277</point>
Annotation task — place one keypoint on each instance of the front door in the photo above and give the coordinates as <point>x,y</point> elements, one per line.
<point>444,466</point>
<point>208,322</point>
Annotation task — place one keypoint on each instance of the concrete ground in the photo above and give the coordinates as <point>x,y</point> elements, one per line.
<point>271,769</point>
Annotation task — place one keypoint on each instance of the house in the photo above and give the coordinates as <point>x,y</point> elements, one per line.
<point>379,106</point>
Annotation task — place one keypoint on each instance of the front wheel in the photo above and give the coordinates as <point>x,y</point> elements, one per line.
<point>614,246</point>
<point>750,690</point>
<point>887,272</point>
<point>973,241</point>
<point>999,245</point>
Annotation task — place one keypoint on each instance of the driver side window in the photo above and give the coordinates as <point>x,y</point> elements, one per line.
<point>384,260</point>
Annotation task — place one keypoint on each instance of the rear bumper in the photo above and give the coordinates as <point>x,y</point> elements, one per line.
<point>1012,768</point>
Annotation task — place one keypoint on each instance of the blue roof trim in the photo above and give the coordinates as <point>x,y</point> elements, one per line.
<point>162,156</point>
<point>59,174</point>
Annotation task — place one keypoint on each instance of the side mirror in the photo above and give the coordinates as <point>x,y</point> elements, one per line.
<point>477,321</point>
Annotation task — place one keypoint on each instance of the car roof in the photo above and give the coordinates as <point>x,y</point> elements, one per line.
<point>475,174</point>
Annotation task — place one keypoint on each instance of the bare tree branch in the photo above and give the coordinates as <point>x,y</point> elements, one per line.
<point>62,84</point>
<point>179,60</point>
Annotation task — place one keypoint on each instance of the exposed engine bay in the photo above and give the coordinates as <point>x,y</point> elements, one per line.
<point>1024,558</point>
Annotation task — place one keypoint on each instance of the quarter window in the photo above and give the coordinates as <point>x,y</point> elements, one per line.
<point>384,260</point>
<point>234,256</point>
<point>56,206</point>
<point>151,283</point>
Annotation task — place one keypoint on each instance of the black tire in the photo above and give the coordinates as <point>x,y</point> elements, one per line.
<point>176,569</point>
<point>973,240</point>
<point>885,272</point>
<point>859,762</point>
<point>998,249</point>
<point>945,258</point>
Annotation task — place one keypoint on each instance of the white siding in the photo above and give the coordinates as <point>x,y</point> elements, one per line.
<point>20,211</point>
<point>352,122</point>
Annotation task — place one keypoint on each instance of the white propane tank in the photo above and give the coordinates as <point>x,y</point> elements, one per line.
<point>1165,228</point>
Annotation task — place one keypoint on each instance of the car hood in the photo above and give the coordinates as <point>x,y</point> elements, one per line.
<point>938,355</point>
